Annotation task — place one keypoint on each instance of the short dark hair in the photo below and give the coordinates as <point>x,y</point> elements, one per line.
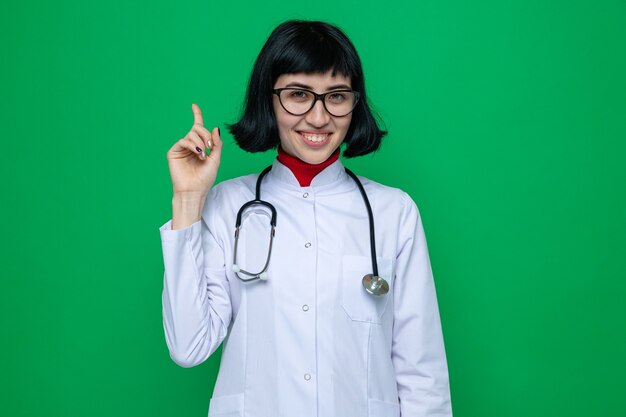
<point>309,47</point>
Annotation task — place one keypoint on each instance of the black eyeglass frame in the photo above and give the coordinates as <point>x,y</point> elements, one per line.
<point>316,96</point>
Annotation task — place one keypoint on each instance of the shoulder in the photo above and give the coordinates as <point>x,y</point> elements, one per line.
<point>234,185</point>
<point>391,197</point>
<point>226,195</point>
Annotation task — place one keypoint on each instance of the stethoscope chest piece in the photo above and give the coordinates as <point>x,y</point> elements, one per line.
<point>375,285</point>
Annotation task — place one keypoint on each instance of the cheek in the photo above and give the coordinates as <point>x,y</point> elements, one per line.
<point>346,124</point>
<point>286,121</point>
<point>283,123</point>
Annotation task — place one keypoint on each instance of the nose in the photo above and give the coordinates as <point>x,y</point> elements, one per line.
<point>318,116</point>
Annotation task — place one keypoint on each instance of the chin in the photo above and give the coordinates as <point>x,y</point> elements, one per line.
<point>314,158</point>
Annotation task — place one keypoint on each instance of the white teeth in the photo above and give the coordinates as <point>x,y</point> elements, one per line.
<point>314,138</point>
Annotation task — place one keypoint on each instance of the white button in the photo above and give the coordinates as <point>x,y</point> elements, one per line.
<point>305,195</point>
<point>305,307</point>
<point>307,377</point>
<point>307,245</point>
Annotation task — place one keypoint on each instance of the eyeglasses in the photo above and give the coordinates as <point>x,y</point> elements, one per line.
<point>298,101</point>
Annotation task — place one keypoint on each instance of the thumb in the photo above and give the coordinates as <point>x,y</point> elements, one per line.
<point>216,149</point>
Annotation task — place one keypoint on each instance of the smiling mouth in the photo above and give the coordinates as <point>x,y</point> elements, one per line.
<point>315,138</point>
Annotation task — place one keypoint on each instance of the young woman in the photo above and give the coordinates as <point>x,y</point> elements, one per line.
<point>333,311</point>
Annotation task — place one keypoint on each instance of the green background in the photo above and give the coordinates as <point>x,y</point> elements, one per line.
<point>507,123</point>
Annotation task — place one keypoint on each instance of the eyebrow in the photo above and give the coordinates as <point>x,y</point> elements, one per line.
<point>308,87</point>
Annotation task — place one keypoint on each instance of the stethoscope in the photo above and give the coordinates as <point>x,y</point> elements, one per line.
<point>372,283</point>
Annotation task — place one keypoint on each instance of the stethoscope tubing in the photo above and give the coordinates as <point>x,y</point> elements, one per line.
<point>370,218</point>
<point>372,282</point>
<point>256,202</point>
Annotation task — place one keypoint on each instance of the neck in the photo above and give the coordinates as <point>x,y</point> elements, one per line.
<point>303,171</point>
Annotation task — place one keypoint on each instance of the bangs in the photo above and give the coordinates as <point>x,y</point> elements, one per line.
<point>310,51</point>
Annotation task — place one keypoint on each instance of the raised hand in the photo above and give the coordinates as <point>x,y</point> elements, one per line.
<point>193,172</point>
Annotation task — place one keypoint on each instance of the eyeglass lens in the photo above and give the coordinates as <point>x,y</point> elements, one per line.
<point>296,101</point>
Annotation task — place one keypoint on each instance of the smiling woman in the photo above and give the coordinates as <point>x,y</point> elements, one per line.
<point>341,318</point>
<point>306,127</point>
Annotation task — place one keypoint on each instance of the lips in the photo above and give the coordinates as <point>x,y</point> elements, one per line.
<point>315,139</point>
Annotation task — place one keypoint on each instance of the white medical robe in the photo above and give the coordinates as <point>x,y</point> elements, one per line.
<point>309,341</point>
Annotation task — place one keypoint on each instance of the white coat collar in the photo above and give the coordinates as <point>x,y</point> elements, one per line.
<point>333,177</point>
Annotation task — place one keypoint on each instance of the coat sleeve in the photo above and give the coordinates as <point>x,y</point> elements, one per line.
<point>418,352</point>
<point>196,296</point>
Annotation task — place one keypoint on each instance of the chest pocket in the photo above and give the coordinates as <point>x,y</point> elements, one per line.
<point>355,300</point>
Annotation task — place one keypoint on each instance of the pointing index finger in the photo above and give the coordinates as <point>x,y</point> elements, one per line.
<point>197,115</point>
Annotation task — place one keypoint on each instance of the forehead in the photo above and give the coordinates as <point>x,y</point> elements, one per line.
<point>315,80</point>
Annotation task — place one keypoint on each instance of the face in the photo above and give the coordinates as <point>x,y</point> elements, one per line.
<point>315,135</point>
